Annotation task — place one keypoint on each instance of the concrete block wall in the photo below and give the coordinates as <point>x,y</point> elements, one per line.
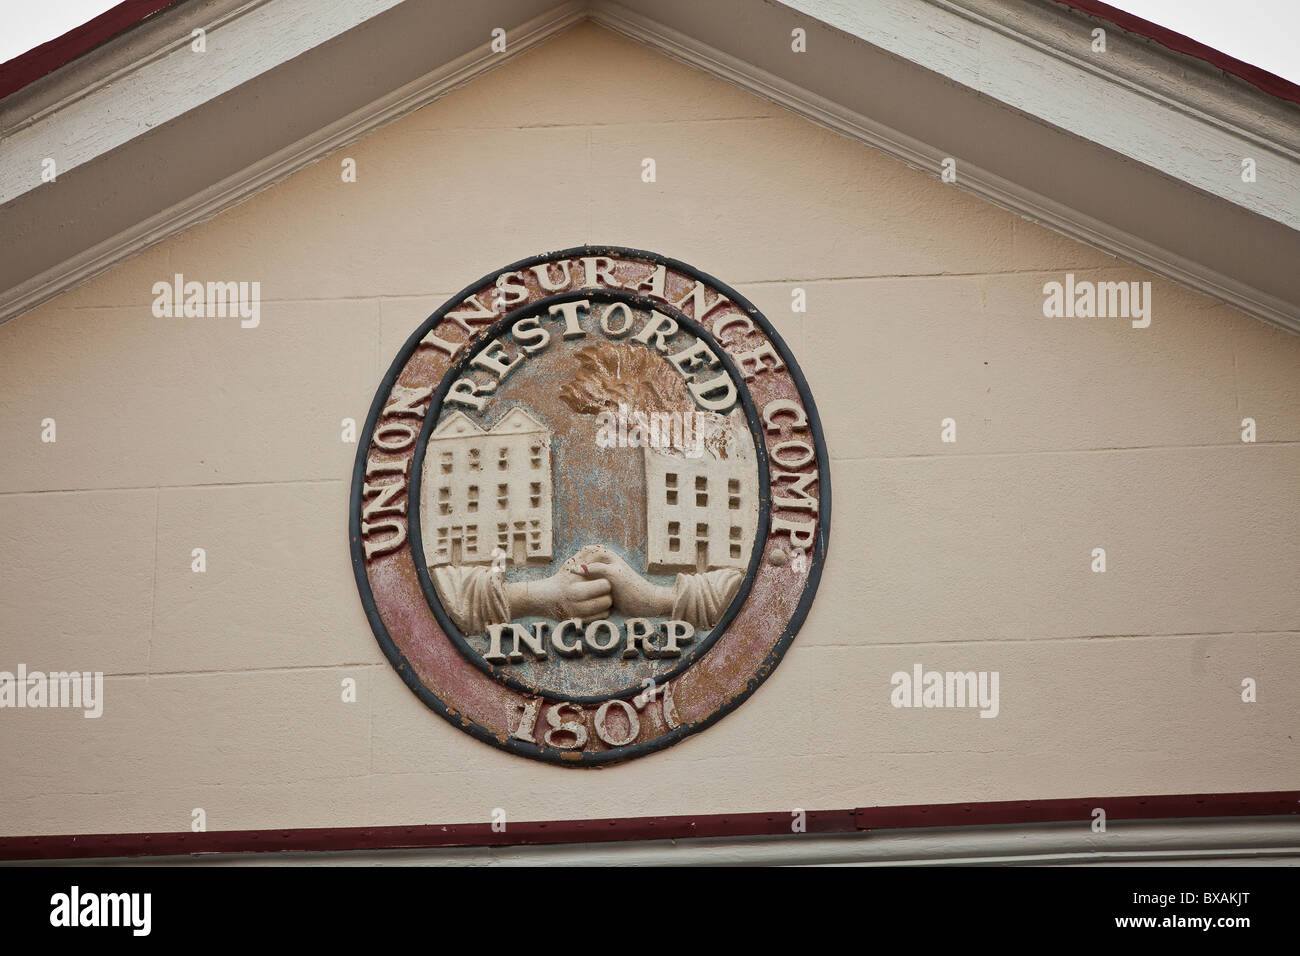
<point>923,303</point>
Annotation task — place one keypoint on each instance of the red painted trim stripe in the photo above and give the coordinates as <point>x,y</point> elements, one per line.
<point>1270,83</point>
<point>1166,807</point>
<point>1170,807</point>
<point>48,57</point>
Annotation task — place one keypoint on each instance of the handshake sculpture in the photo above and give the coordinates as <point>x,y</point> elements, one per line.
<point>588,586</point>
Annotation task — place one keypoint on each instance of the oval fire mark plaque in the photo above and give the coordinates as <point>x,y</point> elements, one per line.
<point>590,505</point>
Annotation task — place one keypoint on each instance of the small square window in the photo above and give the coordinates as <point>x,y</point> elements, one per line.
<point>671,497</point>
<point>674,544</point>
<point>701,501</point>
<point>733,486</point>
<point>701,483</point>
<point>701,530</point>
<point>670,480</point>
<point>735,533</point>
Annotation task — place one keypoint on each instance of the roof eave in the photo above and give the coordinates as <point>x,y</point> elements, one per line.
<point>959,78</point>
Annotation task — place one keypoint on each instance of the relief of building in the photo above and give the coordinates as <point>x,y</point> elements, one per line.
<point>700,512</point>
<point>487,490</point>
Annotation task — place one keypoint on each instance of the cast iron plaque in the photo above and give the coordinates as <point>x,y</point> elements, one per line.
<point>590,505</point>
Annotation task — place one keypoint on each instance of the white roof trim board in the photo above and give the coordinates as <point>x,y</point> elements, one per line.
<point>128,103</point>
<point>1044,66</point>
<point>1120,150</point>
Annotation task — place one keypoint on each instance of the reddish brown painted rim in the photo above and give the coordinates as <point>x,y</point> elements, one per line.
<point>397,657</point>
<point>775,823</point>
<point>29,67</point>
<point>1270,83</point>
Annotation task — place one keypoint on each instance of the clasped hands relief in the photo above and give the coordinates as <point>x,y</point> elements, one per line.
<point>587,587</point>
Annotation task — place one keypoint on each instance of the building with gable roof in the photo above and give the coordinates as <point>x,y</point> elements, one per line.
<point>487,492</point>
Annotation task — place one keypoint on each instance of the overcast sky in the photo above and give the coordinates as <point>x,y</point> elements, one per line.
<point>1262,32</point>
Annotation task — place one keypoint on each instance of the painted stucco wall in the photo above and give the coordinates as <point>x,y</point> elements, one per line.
<point>923,303</point>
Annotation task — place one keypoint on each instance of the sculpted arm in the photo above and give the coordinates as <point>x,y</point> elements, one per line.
<point>475,596</point>
<point>699,599</point>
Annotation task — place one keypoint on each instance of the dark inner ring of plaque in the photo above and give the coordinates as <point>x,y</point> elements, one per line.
<point>540,309</point>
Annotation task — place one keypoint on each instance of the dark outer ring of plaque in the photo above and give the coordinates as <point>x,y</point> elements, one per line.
<point>555,755</point>
<point>539,307</point>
